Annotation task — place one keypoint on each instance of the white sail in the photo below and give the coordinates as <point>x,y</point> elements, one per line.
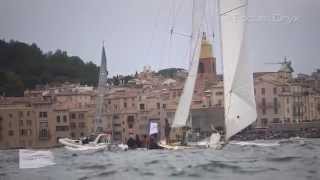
<point>183,109</point>
<point>182,112</point>
<point>240,107</point>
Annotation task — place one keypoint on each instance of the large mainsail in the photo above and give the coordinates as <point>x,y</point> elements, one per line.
<point>240,107</point>
<point>183,109</point>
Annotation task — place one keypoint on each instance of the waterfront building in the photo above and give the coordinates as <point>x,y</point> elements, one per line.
<point>284,102</point>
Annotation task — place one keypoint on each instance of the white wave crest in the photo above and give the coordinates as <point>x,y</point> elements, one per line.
<point>251,143</point>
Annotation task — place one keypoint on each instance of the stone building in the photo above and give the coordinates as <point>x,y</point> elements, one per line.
<point>38,120</point>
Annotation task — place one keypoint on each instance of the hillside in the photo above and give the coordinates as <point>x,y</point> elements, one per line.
<point>23,66</point>
<point>169,72</point>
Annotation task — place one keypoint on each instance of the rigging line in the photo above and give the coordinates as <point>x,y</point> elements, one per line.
<point>206,18</point>
<point>211,24</point>
<point>180,5</point>
<point>192,33</point>
<point>173,12</point>
<point>182,34</point>
<point>197,31</point>
<point>171,15</point>
<point>241,6</point>
<point>147,53</point>
<point>219,30</point>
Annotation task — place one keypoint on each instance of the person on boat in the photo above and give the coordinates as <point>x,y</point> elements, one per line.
<point>153,142</point>
<point>214,138</point>
<point>85,140</point>
<point>145,141</point>
<point>138,142</point>
<point>184,135</point>
<point>167,130</point>
<point>131,143</point>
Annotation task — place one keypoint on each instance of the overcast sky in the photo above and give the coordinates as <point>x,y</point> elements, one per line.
<point>137,32</point>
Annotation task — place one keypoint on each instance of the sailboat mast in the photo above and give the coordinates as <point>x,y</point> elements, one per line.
<point>218,7</point>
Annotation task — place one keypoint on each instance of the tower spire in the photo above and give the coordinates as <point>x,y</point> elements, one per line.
<point>102,87</point>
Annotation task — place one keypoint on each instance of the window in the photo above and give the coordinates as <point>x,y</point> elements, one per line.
<point>58,119</point>
<point>72,125</point>
<point>28,113</point>
<point>29,122</point>
<point>62,128</point>
<point>43,114</point>
<point>263,91</point>
<point>82,134</point>
<point>201,68</point>
<point>64,118</point>
<point>125,105</point>
<point>44,133</point>
<point>275,90</point>
<point>117,125</point>
<point>158,105</point>
<point>21,122</point>
<point>20,114</point>
<point>11,133</point>
<point>141,106</point>
<point>29,132</point>
<point>219,93</point>
<point>275,105</point>
<point>264,111</point>
<point>264,121</point>
<point>0,118</point>
<point>10,115</point>
<point>73,116</point>
<point>263,100</point>
<point>23,132</point>
<point>213,67</point>
<point>82,125</point>
<point>81,116</point>
<point>164,106</point>
<point>276,120</point>
<point>130,121</point>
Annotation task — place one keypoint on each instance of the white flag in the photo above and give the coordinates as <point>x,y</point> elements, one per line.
<point>153,128</point>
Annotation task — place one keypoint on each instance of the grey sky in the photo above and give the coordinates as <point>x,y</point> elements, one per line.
<point>136,34</point>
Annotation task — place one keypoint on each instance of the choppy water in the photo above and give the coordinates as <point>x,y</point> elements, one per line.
<point>289,161</point>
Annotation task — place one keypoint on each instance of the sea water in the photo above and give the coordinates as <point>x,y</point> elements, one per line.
<point>263,160</point>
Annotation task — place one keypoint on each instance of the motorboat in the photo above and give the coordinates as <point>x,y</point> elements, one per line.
<point>101,142</point>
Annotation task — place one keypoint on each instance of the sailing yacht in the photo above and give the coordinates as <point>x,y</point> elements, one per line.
<point>239,101</point>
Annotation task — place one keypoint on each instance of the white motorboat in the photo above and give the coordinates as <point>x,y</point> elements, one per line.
<point>101,142</point>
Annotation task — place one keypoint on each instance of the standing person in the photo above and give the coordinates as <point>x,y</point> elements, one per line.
<point>138,142</point>
<point>145,141</point>
<point>167,130</point>
<point>131,143</point>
